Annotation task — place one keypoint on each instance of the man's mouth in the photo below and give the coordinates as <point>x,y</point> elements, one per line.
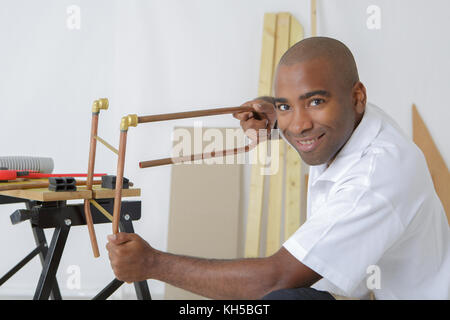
<point>308,144</point>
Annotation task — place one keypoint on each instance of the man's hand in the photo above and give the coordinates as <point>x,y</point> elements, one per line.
<point>131,257</point>
<point>263,117</point>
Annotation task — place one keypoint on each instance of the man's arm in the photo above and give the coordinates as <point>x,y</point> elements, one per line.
<point>133,259</point>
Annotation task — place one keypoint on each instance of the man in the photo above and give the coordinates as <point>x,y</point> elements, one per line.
<point>375,223</point>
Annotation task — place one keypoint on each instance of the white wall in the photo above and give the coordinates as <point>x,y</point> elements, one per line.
<point>152,57</point>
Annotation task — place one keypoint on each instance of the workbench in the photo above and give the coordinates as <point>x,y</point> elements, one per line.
<point>47,209</point>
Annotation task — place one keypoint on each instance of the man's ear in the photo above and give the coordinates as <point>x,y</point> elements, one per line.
<point>359,97</point>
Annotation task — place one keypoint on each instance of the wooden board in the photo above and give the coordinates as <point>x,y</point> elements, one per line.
<point>296,32</point>
<point>436,164</point>
<point>267,55</point>
<point>313,18</point>
<point>293,193</point>
<point>43,194</point>
<point>102,193</point>
<point>282,36</point>
<point>205,213</point>
<point>256,201</point>
<point>280,32</point>
<point>275,205</point>
<point>293,215</point>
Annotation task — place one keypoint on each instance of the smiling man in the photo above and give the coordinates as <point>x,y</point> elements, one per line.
<point>373,213</point>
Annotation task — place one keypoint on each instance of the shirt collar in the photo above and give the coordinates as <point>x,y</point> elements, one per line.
<point>360,139</point>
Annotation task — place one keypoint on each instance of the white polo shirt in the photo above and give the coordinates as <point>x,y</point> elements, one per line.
<point>374,221</point>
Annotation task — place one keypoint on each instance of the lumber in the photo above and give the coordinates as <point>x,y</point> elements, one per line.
<point>275,204</point>
<point>293,193</point>
<point>255,205</point>
<point>41,193</point>
<point>267,55</point>
<point>293,214</point>
<point>205,211</point>
<point>34,184</point>
<point>436,164</point>
<point>313,18</point>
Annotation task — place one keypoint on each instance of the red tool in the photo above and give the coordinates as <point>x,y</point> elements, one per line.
<point>14,174</point>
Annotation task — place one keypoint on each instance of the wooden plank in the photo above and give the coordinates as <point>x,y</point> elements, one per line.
<point>436,164</point>
<point>47,195</point>
<point>282,35</point>
<point>102,193</point>
<point>296,32</point>
<point>293,187</point>
<point>267,55</point>
<point>313,18</point>
<point>293,193</point>
<point>275,205</point>
<point>205,212</point>
<point>43,194</point>
<point>255,205</point>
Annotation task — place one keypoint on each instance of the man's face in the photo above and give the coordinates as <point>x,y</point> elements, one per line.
<point>315,111</point>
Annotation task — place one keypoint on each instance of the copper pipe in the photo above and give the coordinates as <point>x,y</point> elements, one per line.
<point>119,181</point>
<point>193,114</point>
<point>214,154</point>
<point>133,120</point>
<point>89,179</point>
<point>96,107</point>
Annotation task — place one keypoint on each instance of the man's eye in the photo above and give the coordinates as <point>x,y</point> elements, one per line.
<point>283,107</point>
<point>316,102</point>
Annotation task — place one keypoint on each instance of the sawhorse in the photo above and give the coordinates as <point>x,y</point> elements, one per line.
<point>62,216</point>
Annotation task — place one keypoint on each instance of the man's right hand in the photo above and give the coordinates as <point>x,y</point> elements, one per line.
<point>254,122</point>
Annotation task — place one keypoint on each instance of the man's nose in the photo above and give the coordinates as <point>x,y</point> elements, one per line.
<point>301,122</point>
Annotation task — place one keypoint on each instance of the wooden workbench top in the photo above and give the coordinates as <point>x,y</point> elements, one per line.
<point>43,194</point>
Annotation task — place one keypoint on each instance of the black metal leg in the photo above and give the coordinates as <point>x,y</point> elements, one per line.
<point>141,287</point>
<point>61,217</point>
<point>51,263</point>
<point>142,290</point>
<point>19,266</point>
<point>108,290</point>
<point>41,241</point>
<point>39,237</point>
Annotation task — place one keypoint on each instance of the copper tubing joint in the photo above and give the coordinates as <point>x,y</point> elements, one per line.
<point>130,120</point>
<point>100,104</point>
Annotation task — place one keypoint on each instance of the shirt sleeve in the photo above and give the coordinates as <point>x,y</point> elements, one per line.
<point>346,235</point>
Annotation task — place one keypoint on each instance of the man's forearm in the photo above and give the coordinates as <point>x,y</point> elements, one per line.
<point>216,279</point>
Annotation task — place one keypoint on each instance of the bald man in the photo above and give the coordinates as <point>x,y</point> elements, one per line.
<point>375,224</point>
